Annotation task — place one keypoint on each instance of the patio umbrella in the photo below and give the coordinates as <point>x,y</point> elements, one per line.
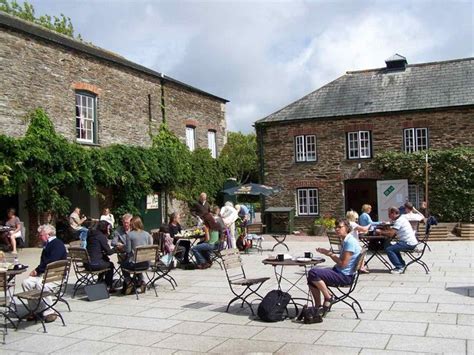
<point>252,189</point>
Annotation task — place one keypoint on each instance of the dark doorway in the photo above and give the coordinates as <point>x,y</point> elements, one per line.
<point>360,191</point>
<point>7,202</point>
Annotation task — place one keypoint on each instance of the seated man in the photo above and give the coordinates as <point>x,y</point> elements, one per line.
<point>412,214</point>
<point>53,250</point>
<point>75,221</point>
<point>120,237</point>
<point>407,239</point>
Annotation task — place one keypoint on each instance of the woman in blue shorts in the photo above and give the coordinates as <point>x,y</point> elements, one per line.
<point>342,273</point>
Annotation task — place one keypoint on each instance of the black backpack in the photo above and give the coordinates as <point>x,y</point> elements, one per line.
<point>273,306</point>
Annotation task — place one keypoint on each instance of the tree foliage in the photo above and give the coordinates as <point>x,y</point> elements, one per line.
<point>451,178</point>
<point>239,157</point>
<point>61,23</point>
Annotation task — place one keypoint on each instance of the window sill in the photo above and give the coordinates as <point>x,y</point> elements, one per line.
<point>355,159</point>
<point>91,144</point>
<point>306,162</point>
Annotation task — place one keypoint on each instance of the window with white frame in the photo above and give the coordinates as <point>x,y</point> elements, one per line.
<point>305,148</point>
<point>211,143</point>
<point>415,139</point>
<point>307,201</point>
<point>86,121</point>
<point>359,145</point>
<point>191,138</point>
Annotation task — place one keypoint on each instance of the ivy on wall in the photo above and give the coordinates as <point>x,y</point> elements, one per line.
<point>44,164</point>
<point>450,178</point>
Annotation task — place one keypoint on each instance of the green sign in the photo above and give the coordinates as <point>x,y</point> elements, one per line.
<point>389,190</point>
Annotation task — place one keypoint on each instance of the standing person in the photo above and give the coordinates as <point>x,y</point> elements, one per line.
<point>174,228</point>
<point>244,213</point>
<point>53,250</point>
<point>424,209</point>
<point>341,274</point>
<point>99,251</point>
<point>201,207</point>
<point>135,238</point>
<point>14,222</point>
<point>229,215</point>
<point>107,216</point>
<point>407,239</point>
<point>75,221</point>
<point>211,239</point>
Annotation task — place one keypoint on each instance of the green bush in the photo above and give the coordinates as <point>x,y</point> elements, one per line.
<point>450,178</point>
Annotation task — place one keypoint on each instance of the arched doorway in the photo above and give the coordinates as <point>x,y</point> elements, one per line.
<point>360,191</point>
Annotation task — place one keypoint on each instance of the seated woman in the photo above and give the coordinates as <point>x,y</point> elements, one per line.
<point>341,274</point>
<point>135,238</point>
<point>99,251</point>
<point>211,241</point>
<point>107,216</point>
<point>13,222</point>
<point>174,228</point>
<point>365,219</point>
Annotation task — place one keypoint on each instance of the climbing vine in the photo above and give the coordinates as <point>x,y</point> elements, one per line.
<point>451,178</point>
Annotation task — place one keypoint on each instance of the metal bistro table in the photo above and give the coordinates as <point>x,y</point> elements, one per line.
<point>279,266</point>
<point>366,239</point>
<point>10,291</point>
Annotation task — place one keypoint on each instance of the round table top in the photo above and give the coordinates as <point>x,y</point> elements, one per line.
<point>293,262</point>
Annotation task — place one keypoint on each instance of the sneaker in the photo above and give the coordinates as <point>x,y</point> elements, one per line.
<point>50,318</point>
<point>396,271</point>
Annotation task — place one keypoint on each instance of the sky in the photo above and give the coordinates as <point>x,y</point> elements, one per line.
<point>263,55</point>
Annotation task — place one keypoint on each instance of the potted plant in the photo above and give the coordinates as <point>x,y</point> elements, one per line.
<point>322,224</point>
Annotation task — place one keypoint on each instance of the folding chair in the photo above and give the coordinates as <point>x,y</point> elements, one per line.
<point>334,242</point>
<point>344,292</point>
<point>216,254</point>
<point>143,254</point>
<point>5,302</point>
<point>256,229</point>
<point>235,273</point>
<point>79,258</point>
<point>54,281</point>
<point>280,240</point>
<point>162,271</point>
<point>417,253</point>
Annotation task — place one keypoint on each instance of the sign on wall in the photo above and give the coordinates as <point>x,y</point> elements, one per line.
<point>153,202</point>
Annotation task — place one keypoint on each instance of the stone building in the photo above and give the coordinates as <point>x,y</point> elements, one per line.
<point>96,97</point>
<point>318,149</point>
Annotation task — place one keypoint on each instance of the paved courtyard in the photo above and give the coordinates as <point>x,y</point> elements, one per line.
<point>414,312</point>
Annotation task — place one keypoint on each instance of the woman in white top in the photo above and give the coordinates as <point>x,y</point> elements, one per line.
<point>108,217</point>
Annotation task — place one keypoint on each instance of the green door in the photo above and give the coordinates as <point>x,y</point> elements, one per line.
<point>151,211</point>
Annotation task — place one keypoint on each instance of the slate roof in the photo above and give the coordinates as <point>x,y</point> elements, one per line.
<point>418,87</point>
<point>29,28</point>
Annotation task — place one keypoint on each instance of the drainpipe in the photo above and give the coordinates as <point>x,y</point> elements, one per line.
<point>260,130</point>
<point>163,117</point>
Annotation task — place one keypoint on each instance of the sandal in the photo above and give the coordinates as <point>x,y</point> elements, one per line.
<point>327,306</point>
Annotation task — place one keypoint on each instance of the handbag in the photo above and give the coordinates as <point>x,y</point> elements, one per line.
<point>310,315</point>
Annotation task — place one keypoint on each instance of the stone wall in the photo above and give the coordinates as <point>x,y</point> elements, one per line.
<point>39,73</point>
<point>447,129</point>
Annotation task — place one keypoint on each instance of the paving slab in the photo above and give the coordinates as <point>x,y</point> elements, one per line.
<point>403,313</point>
<point>427,344</point>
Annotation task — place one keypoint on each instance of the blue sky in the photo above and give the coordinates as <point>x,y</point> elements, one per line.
<point>263,55</point>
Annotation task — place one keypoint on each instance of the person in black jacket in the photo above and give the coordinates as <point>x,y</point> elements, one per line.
<point>99,251</point>
<point>53,250</point>
<point>201,207</point>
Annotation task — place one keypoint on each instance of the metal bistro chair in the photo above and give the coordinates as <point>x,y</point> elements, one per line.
<point>417,254</point>
<point>143,254</point>
<point>256,229</point>
<point>79,258</point>
<point>56,273</point>
<point>344,292</point>
<point>161,270</point>
<point>5,303</point>
<point>334,242</point>
<point>235,273</point>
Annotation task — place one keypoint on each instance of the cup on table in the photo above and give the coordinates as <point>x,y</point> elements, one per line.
<point>281,257</point>
<point>308,254</point>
